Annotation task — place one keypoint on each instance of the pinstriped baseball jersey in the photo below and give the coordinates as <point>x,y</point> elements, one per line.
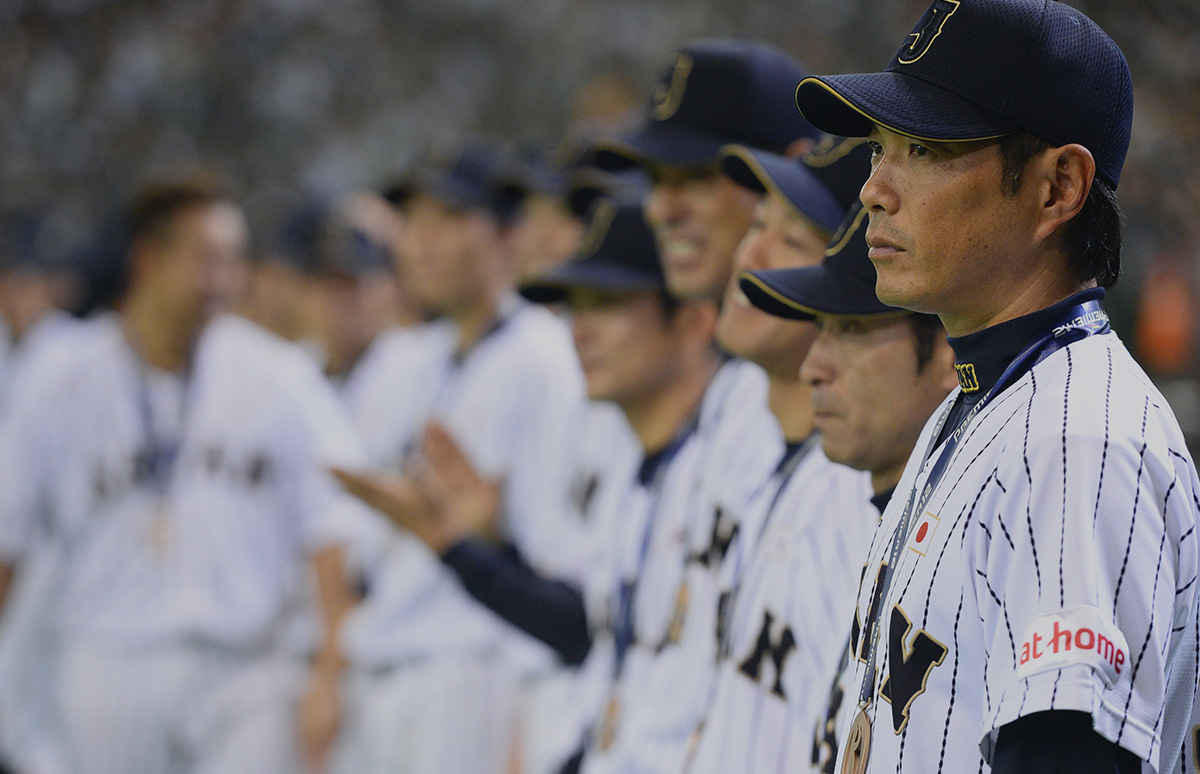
<point>1054,568</point>
<point>784,634</point>
<point>666,681</point>
<point>217,555</point>
<point>514,402</point>
<point>27,644</point>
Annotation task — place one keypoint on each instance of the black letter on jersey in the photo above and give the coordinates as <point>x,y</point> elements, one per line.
<point>723,533</point>
<point>752,666</point>
<point>908,669</point>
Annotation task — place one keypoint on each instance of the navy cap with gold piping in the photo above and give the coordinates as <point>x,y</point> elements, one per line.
<point>979,69</point>
<point>618,254</point>
<point>842,285</point>
<point>713,93</point>
<point>819,187</point>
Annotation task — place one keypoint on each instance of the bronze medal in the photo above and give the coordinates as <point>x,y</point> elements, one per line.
<point>608,724</point>
<point>679,616</point>
<point>858,745</point>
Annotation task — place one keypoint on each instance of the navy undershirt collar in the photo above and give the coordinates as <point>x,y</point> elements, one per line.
<point>981,357</point>
<point>791,448</point>
<point>880,500</point>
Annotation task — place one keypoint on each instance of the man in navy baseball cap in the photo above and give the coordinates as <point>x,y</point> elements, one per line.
<point>876,372</point>
<point>1054,493</point>
<point>710,94</point>
<point>617,255</point>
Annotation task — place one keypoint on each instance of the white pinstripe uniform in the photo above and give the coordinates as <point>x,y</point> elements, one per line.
<point>29,736</point>
<point>182,607</point>
<point>788,613</point>
<point>561,706</point>
<point>1054,568</point>
<point>434,667</point>
<point>667,675</point>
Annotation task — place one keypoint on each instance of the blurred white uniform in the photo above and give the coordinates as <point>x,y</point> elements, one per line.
<point>185,507</point>
<point>29,735</point>
<point>660,695</point>
<point>559,707</point>
<point>432,668</point>
<point>788,617</point>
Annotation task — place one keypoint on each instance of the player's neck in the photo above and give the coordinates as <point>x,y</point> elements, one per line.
<point>476,320</point>
<point>790,400</point>
<point>885,479</point>
<point>160,341</point>
<point>1033,295</point>
<point>657,417</point>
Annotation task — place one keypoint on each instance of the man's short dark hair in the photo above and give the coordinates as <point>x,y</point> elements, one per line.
<point>156,206</point>
<point>1093,238</point>
<point>150,216</point>
<point>927,329</point>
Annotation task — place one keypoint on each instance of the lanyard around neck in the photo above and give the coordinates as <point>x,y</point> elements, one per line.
<point>1078,322</point>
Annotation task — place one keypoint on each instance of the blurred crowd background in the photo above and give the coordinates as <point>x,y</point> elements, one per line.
<point>298,101</point>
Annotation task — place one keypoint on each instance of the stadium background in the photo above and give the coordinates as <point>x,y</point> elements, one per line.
<point>299,100</point>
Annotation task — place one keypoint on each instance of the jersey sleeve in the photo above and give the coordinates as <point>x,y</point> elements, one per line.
<point>1076,569</point>
<point>25,470</point>
<point>323,438</point>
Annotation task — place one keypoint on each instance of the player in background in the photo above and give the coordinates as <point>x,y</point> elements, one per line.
<point>430,665</point>
<point>177,456</point>
<point>712,93</point>
<point>651,356</point>
<point>1030,601</point>
<point>782,588</point>
<point>36,289</point>
<point>545,231</point>
<point>874,374</point>
<point>356,288</point>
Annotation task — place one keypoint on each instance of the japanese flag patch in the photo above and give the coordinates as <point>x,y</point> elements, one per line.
<point>922,534</point>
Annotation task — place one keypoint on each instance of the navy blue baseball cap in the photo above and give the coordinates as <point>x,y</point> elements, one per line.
<point>820,187</point>
<point>711,94</point>
<point>618,254</point>
<point>342,250</point>
<point>472,177</point>
<point>842,285</point>
<point>980,69</point>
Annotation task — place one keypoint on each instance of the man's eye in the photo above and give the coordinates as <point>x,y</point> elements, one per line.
<point>918,150</point>
<point>875,147</point>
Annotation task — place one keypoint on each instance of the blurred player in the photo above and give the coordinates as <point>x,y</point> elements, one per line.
<point>432,666</point>
<point>176,455</point>
<point>356,290</point>
<point>874,375</point>
<point>545,231</point>
<point>36,287</point>
<point>649,354</point>
<point>784,588</point>
<point>712,93</point>
<point>1030,601</point>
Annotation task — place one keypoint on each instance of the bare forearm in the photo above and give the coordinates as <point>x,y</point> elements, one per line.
<point>334,600</point>
<point>7,571</point>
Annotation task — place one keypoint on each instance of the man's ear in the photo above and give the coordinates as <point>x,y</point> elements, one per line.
<point>1063,176</point>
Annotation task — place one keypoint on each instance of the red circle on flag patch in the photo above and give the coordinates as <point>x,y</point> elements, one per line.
<point>922,532</point>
